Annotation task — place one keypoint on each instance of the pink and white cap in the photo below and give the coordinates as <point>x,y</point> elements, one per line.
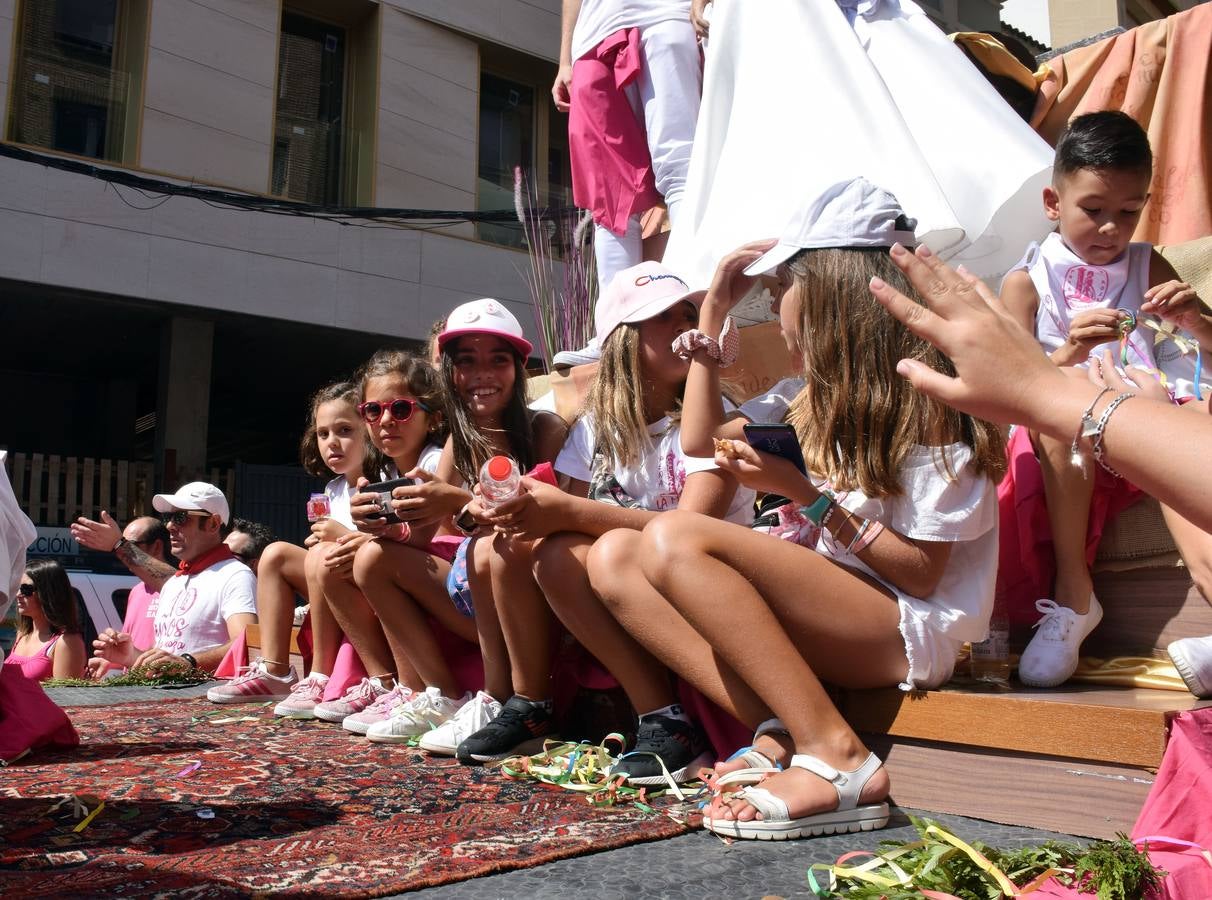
<point>638,294</point>
<point>485,316</point>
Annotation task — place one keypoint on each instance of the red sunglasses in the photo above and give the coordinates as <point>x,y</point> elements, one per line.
<point>401,409</point>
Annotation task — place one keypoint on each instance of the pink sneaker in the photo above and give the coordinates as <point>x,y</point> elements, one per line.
<point>301,703</point>
<point>356,699</point>
<point>254,683</point>
<point>378,711</point>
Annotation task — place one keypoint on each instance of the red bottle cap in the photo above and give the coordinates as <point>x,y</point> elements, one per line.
<point>499,467</point>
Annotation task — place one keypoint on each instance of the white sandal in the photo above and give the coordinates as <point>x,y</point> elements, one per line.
<point>758,764</point>
<point>776,823</point>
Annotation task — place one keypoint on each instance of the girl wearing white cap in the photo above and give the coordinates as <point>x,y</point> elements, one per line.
<point>623,463</point>
<point>897,570</point>
<point>482,369</point>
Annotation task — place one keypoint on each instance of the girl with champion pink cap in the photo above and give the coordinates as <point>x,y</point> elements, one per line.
<point>622,464</point>
<point>408,578</point>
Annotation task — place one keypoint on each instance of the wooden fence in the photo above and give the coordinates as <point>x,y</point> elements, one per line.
<point>54,490</point>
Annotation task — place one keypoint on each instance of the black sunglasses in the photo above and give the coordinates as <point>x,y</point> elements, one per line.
<point>401,409</point>
<point>180,516</point>
<point>25,589</point>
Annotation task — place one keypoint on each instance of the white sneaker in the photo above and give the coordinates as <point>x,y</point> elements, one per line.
<point>1193,659</point>
<point>1051,656</point>
<point>424,712</point>
<point>379,711</point>
<point>471,717</point>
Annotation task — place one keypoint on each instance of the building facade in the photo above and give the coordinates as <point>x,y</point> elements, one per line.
<point>172,325</point>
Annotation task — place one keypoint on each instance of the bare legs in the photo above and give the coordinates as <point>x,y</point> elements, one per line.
<point>279,577</point>
<point>406,585</point>
<point>1067,489</point>
<point>561,571</point>
<point>769,610</point>
<point>355,616</point>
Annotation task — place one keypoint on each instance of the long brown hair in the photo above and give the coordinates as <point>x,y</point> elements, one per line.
<point>856,418</point>
<point>615,402</point>
<point>309,449</point>
<point>472,446</point>
<point>55,595</point>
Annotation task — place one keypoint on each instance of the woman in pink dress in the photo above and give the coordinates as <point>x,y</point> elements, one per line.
<point>49,644</point>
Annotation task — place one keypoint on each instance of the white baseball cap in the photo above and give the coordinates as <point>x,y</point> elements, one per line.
<point>854,213</point>
<point>485,316</point>
<point>197,495</point>
<point>590,353</point>
<point>637,294</point>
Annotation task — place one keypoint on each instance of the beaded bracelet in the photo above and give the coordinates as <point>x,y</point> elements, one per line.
<point>1101,427</point>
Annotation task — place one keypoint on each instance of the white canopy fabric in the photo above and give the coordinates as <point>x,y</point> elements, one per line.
<point>796,98</point>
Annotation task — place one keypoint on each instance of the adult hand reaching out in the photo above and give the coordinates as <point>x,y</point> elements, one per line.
<point>1002,375</point>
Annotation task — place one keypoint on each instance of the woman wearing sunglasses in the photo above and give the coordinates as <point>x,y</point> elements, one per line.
<point>49,644</point>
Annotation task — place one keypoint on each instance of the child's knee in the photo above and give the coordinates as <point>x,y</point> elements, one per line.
<point>368,559</point>
<point>556,560</point>
<point>610,556</point>
<point>275,556</point>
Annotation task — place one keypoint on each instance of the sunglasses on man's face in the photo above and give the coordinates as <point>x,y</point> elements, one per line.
<point>401,409</point>
<point>25,589</point>
<point>181,516</point>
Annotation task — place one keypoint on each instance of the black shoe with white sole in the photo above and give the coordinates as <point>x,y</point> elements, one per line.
<point>680,745</point>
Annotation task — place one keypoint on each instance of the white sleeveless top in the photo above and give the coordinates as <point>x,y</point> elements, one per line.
<point>1068,285</point>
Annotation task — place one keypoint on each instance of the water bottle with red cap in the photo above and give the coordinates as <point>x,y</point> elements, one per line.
<point>500,480</point>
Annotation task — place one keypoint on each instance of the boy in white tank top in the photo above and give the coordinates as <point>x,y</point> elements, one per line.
<point>1086,290</point>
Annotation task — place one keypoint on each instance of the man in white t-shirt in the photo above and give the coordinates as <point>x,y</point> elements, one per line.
<point>630,78</point>
<point>208,602</point>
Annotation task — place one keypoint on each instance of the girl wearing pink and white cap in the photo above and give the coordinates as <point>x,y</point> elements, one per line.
<point>482,369</point>
<point>623,462</point>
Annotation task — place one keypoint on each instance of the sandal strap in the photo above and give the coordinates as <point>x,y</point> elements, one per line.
<point>849,785</point>
<point>771,726</point>
<point>772,808</point>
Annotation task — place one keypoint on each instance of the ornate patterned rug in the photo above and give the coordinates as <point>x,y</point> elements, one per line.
<point>206,801</point>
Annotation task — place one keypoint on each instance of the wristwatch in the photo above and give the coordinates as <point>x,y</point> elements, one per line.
<point>466,522</point>
<point>188,657</point>
<point>816,511</point>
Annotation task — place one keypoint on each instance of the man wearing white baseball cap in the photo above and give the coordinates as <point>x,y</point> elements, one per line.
<point>208,602</point>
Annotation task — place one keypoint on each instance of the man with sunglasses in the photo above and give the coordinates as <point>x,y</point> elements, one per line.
<point>206,603</point>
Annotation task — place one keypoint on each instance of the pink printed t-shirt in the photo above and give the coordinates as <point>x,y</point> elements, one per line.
<point>140,618</point>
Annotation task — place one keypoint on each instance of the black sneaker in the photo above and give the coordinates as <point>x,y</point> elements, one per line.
<point>519,730</point>
<point>681,746</point>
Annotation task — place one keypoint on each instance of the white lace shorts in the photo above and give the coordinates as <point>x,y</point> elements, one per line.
<point>931,653</point>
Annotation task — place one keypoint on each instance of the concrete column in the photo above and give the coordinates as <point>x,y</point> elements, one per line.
<point>183,404</point>
<point>1072,20</point>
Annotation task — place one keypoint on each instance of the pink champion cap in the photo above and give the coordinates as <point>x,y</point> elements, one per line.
<point>485,316</point>
<point>638,294</point>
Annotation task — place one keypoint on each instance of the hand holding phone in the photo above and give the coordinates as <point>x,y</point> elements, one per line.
<point>384,489</point>
<point>777,440</point>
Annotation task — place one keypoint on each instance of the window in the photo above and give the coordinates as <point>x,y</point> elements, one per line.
<point>519,128</point>
<point>77,78</point>
<point>322,123</point>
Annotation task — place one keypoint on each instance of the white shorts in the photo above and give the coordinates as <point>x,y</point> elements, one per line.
<point>931,653</point>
